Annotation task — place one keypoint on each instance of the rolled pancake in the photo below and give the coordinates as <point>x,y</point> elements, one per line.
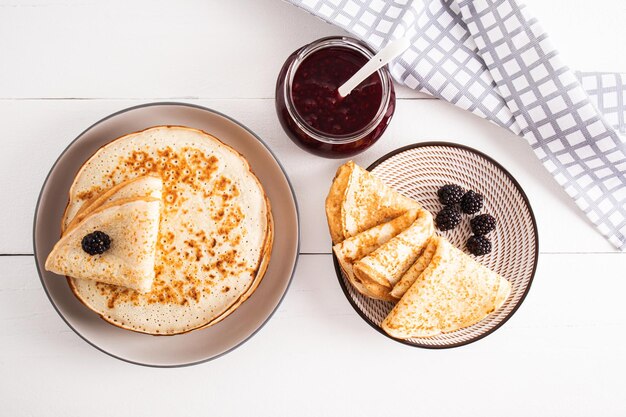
<point>368,201</point>
<point>215,231</point>
<point>356,247</point>
<point>386,265</point>
<point>454,292</point>
<point>133,227</point>
<point>146,186</point>
<point>416,269</point>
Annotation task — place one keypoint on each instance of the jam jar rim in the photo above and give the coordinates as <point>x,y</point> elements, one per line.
<point>327,42</point>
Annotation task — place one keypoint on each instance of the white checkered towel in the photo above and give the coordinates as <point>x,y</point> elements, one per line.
<point>492,58</point>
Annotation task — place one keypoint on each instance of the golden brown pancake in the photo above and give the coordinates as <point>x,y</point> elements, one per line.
<point>132,226</point>
<point>358,201</point>
<point>368,201</point>
<point>455,291</point>
<point>215,237</point>
<point>146,186</point>
<point>357,247</point>
<point>386,265</point>
<point>334,201</point>
<point>416,269</point>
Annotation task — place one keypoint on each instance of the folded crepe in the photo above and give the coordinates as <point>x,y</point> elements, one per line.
<point>455,291</point>
<point>418,267</point>
<point>334,201</point>
<point>133,227</point>
<point>356,247</point>
<point>215,234</point>
<point>145,186</point>
<point>386,265</point>
<point>358,201</point>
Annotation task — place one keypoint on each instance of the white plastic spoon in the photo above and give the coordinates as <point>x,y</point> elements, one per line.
<point>389,52</point>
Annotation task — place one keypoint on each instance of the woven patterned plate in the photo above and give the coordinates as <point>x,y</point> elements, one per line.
<point>418,171</point>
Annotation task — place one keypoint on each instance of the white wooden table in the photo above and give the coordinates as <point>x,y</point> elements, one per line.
<point>65,64</point>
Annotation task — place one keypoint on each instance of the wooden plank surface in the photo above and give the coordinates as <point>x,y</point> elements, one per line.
<point>49,125</point>
<point>560,355</point>
<point>67,63</point>
<point>216,49</point>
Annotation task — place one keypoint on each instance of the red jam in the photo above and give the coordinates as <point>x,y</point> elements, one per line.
<point>317,101</point>
<point>310,109</point>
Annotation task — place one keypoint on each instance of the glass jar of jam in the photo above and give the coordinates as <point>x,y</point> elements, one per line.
<point>313,113</point>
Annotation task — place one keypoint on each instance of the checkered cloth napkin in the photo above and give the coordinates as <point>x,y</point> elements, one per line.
<point>492,58</point>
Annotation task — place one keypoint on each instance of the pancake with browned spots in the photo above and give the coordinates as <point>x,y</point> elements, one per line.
<point>215,234</point>
<point>132,228</point>
<point>146,186</point>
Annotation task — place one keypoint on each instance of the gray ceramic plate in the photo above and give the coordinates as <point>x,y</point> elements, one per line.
<point>200,345</point>
<point>418,171</point>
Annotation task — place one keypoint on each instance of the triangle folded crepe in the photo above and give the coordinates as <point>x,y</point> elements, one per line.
<point>132,225</point>
<point>145,186</point>
<point>356,247</point>
<point>386,265</point>
<point>415,271</point>
<point>358,201</point>
<point>455,291</point>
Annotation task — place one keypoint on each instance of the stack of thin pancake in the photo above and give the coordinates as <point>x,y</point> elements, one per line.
<point>190,226</point>
<point>387,248</point>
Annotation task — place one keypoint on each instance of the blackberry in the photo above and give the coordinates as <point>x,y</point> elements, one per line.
<point>448,218</point>
<point>450,194</point>
<point>96,243</point>
<point>483,224</point>
<point>471,202</point>
<point>478,245</point>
